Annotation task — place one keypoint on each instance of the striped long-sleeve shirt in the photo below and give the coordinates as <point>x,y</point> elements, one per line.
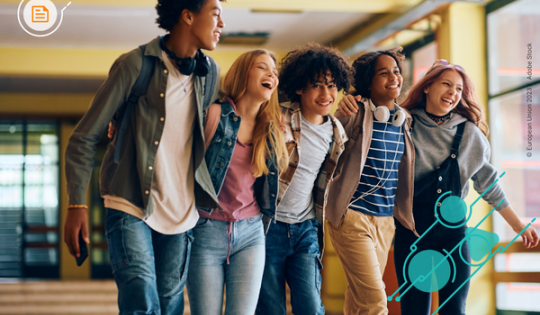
<point>376,191</point>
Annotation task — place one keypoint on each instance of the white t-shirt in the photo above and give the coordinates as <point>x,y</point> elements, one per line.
<point>297,203</point>
<point>172,192</point>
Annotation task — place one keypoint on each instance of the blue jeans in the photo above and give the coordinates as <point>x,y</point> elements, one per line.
<point>416,302</point>
<point>209,272</point>
<point>149,268</point>
<point>292,255</point>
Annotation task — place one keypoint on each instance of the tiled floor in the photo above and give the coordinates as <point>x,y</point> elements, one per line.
<point>61,297</point>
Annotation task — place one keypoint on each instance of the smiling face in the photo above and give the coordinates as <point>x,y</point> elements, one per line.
<point>444,94</point>
<point>262,78</point>
<point>387,80</point>
<point>207,24</point>
<point>317,99</point>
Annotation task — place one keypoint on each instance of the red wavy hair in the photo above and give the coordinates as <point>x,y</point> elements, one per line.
<point>469,105</point>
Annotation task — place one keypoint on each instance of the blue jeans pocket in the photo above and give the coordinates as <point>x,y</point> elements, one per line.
<point>185,268</point>
<point>254,218</point>
<point>114,222</point>
<point>202,221</point>
<point>318,268</point>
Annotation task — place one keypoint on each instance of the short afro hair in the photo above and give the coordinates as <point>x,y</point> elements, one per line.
<point>364,68</point>
<point>304,65</point>
<point>169,11</point>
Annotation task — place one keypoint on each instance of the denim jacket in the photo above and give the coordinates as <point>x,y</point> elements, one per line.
<point>219,154</point>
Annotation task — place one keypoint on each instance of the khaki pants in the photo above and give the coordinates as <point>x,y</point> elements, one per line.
<point>362,243</point>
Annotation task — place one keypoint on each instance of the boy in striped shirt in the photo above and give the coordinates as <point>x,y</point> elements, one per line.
<point>373,181</point>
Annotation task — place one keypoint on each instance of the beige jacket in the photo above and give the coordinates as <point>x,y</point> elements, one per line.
<point>347,175</point>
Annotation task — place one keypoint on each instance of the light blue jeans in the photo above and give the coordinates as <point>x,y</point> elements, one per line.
<point>209,273</point>
<point>149,268</point>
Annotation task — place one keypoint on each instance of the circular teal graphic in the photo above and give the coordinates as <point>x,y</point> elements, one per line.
<point>421,266</point>
<point>453,209</point>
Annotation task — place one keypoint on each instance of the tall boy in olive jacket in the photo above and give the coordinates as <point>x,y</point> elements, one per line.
<point>151,187</point>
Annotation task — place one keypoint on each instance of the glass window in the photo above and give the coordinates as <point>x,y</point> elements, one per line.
<point>510,125</point>
<point>511,118</point>
<point>423,58</point>
<point>29,190</point>
<point>420,56</point>
<point>518,296</point>
<point>514,117</point>
<point>510,29</point>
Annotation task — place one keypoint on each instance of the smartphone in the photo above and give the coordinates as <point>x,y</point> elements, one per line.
<point>83,250</point>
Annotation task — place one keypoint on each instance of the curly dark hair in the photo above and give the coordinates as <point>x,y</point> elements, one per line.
<point>364,68</point>
<point>304,65</point>
<point>169,11</point>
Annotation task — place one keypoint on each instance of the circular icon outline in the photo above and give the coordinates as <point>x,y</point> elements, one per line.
<point>40,35</point>
<point>469,215</point>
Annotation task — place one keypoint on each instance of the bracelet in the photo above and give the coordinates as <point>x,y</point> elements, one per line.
<point>78,206</point>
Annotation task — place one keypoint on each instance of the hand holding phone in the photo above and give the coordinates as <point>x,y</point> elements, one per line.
<point>83,250</point>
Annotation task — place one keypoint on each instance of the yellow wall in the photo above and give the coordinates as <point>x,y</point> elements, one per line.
<point>82,63</point>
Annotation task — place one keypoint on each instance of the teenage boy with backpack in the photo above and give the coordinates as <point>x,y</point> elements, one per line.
<point>153,172</point>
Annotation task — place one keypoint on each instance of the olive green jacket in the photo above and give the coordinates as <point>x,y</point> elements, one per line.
<point>132,177</point>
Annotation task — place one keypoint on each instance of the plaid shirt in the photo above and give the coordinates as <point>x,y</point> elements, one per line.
<point>293,121</point>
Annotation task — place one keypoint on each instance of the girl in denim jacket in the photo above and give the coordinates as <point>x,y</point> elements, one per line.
<point>245,151</point>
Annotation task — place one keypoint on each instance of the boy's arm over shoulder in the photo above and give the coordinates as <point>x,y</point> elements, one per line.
<point>88,132</point>
<point>348,121</point>
<point>343,119</point>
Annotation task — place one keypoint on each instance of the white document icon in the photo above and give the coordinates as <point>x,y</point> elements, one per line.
<point>40,14</point>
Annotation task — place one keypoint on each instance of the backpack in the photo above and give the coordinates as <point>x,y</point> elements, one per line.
<point>141,86</point>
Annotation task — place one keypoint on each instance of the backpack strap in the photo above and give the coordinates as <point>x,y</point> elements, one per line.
<point>139,89</point>
<point>457,138</point>
<point>210,84</point>
<point>211,123</point>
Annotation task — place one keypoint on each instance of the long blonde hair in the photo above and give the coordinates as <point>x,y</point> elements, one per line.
<point>268,137</point>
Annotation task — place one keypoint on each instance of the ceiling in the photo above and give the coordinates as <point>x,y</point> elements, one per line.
<point>123,24</point>
<point>124,27</point>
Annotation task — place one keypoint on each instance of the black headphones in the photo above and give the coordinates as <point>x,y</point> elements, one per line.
<point>198,65</point>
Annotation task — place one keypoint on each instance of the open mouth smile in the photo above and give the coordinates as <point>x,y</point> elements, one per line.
<point>448,101</point>
<point>268,84</point>
<point>325,103</point>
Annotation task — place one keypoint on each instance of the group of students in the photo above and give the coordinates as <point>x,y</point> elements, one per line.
<point>231,198</point>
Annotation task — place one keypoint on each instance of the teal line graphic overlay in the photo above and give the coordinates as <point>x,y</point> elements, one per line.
<point>453,210</point>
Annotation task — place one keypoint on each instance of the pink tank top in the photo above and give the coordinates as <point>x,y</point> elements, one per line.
<point>237,195</point>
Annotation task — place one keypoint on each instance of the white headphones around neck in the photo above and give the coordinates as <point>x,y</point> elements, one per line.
<point>382,114</point>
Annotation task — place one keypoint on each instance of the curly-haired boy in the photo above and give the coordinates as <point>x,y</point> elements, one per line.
<point>152,174</point>
<point>311,78</point>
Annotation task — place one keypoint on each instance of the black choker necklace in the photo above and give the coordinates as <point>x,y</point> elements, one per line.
<point>439,119</point>
<point>198,65</point>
